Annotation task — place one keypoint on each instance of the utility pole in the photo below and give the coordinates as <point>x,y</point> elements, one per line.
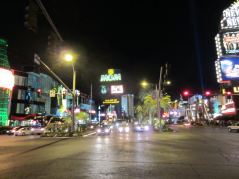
<point>159,97</point>
<point>90,99</point>
<point>73,98</point>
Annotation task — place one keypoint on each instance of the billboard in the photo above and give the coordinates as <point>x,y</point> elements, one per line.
<point>6,79</point>
<point>231,42</point>
<point>229,68</point>
<point>230,17</point>
<point>116,89</point>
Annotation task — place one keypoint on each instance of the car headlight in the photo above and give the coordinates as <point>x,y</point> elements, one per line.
<point>138,128</point>
<point>121,129</point>
<point>42,129</point>
<point>107,130</point>
<point>98,130</point>
<point>127,129</point>
<point>146,128</point>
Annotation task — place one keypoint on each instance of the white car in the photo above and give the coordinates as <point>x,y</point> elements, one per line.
<point>234,127</point>
<point>37,130</point>
<point>23,131</point>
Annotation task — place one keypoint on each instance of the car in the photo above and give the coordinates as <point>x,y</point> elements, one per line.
<point>22,131</point>
<point>124,128</point>
<point>5,129</point>
<point>141,128</point>
<point>13,130</point>
<point>37,130</point>
<point>234,127</point>
<point>103,130</point>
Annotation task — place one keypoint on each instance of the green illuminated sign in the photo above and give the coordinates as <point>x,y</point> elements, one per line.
<point>114,77</point>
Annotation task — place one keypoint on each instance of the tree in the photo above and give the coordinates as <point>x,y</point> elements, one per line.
<point>150,106</point>
<point>82,116</point>
<point>139,112</point>
<point>165,102</point>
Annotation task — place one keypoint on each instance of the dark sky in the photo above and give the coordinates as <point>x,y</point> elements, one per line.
<point>134,36</point>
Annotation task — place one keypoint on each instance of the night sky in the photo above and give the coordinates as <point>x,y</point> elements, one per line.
<point>134,36</point>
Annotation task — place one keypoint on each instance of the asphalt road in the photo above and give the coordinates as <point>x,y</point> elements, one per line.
<point>188,153</point>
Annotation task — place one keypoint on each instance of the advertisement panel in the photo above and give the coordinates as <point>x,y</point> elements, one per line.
<point>6,79</point>
<point>117,89</point>
<point>229,68</point>
<point>231,42</point>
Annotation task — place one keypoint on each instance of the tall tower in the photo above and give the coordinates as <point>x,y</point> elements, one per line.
<point>6,83</point>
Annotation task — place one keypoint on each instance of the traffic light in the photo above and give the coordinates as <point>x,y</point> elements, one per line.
<point>186,93</point>
<point>207,93</point>
<point>228,93</point>
<point>39,92</point>
<point>31,16</point>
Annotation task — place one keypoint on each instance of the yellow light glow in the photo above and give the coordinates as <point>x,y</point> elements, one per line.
<point>68,57</point>
<point>168,82</point>
<point>144,84</point>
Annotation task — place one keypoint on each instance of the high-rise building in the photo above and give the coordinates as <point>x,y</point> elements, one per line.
<point>6,83</point>
<point>127,105</point>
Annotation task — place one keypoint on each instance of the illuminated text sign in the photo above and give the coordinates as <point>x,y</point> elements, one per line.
<point>107,78</point>
<point>231,17</point>
<point>117,89</point>
<point>231,42</point>
<point>111,101</point>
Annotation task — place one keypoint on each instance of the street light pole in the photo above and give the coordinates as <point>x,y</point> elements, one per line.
<point>73,97</point>
<point>159,97</point>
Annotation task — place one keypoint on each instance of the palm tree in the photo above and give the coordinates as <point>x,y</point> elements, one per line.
<point>150,106</point>
<point>139,112</point>
<point>165,102</point>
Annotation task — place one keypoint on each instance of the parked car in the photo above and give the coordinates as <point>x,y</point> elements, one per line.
<point>13,130</point>
<point>5,129</point>
<point>103,130</point>
<point>233,128</point>
<point>23,131</point>
<point>37,130</point>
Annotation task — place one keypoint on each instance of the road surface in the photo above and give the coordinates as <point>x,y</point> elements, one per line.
<point>191,152</point>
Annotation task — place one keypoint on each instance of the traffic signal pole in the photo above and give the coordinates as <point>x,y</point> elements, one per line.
<point>38,61</point>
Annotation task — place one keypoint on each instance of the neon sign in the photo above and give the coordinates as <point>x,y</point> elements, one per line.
<point>6,79</point>
<point>111,101</point>
<point>111,76</point>
<point>114,77</point>
<point>231,17</point>
<point>117,89</point>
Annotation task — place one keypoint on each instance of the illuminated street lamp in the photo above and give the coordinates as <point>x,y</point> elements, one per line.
<point>69,58</point>
<point>144,84</point>
<point>168,82</point>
